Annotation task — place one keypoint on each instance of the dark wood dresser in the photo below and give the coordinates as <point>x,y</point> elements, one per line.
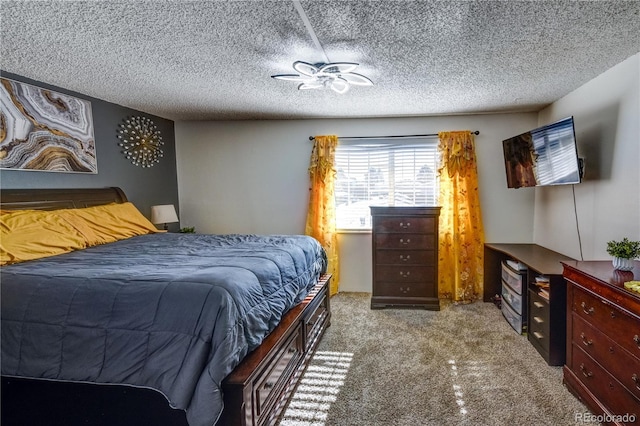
<point>603,340</point>
<point>405,257</point>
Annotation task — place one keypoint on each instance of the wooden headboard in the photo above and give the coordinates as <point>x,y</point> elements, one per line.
<point>52,199</point>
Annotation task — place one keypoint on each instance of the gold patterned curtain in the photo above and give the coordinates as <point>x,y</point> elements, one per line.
<point>321,217</point>
<point>461,242</point>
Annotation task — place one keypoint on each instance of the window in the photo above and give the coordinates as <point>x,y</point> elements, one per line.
<point>383,172</point>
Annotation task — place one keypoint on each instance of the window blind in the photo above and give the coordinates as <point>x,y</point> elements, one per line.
<point>383,172</point>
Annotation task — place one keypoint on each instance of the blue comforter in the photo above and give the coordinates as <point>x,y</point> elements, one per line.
<point>172,312</point>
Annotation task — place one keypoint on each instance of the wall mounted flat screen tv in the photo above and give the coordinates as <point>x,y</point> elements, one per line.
<point>544,156</point>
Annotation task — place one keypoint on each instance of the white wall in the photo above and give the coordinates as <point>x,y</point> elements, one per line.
<point>251,177</point>
<point>606,113</point>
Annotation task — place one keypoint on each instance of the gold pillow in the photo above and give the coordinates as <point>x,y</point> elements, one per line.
<point>108,223</point>
<point>34,234</point>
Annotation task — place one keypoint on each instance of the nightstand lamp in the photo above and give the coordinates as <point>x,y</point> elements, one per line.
<point>164,214</point>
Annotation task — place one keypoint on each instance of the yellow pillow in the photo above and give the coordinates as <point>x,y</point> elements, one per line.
<point>33,234</point>
<point>108,223</point>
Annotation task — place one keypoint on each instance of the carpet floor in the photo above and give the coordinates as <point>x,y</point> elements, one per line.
<point>463,365</point>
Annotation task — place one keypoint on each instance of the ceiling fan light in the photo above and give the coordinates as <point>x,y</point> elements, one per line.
<point>334,75</point>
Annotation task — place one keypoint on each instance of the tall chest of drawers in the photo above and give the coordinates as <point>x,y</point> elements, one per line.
<point>405,257</point>
<point>603,340</point>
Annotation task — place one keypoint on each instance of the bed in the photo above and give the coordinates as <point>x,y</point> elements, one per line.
<point>221,326</point>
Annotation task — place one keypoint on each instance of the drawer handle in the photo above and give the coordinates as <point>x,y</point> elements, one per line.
<point>405,225</point>
<point>269,385</point>
<point>613,314</point>
<point>405,274</point>
<point>403,242</point>
<point>538,305</point>
<point>636,380</point>
<point>405,290</point>
<point>585,373</point>
<point>585,341</point>
<point>538,320</point>
<point>538,335</point>
<point>585,310</point>
<point>404,259</point>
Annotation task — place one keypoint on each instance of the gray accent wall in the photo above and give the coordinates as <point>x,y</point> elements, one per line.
<point>144,186</point>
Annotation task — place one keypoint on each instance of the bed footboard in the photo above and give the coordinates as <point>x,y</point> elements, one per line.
<point>257,391</point>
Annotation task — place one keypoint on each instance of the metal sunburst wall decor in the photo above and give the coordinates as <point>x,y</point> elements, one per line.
<point>141,141</point>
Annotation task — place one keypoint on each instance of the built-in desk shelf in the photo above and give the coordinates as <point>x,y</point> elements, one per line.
<point>546,297</point>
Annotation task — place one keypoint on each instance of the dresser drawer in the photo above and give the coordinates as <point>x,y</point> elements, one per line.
<point>513,299</point>
<point>405,257</point>
<point>539,328</point>
<point>603,386</point>
<point>539,306</point>
<point>513,279</point>
<point>314,320</point>
<point>406,241</point>
<point>409,289</point>
<point>404,273</point>
<point>426,225</point>
<point>512,317</point>
<point>618,325</point>
<point>622,365</point>
<point>269,382</point>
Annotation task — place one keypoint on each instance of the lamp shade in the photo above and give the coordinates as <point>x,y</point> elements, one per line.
<point>165,213</point>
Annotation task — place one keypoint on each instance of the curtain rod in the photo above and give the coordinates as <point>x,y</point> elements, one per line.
<point>477,132</point>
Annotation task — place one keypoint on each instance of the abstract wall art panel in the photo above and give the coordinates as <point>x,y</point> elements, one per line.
<point>45,130</point>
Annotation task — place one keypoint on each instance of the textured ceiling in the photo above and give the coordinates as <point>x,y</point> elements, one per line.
<point>213,59</point>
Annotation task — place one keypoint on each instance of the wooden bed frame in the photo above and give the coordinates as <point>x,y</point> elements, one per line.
<point>255,393</point>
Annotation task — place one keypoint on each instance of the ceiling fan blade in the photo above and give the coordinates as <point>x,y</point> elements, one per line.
<point>313,84</point>
<point>289,77</point>
<point>357,79</point>
<point>338,67</point>
<point>305,68</point>
<point>340,85</point>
